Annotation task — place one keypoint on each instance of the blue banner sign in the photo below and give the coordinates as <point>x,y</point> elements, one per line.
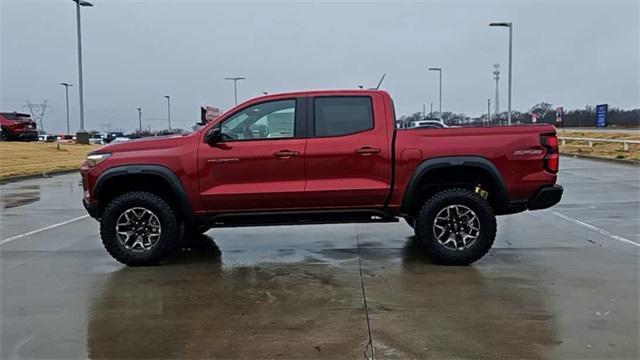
<point>601,115</point>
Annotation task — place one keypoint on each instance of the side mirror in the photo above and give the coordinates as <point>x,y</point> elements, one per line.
<point>214,136</point>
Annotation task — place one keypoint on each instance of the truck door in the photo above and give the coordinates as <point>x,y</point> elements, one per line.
<point>259,163</point>
<point>348,152</point>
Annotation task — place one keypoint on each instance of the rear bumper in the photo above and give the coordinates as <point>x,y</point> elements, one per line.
<point>23,134</point>
<point>546,197</point>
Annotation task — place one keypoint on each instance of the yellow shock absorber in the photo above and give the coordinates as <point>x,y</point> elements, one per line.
<point>483,193</point>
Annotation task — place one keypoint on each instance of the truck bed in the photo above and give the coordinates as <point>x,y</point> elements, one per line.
<point>516,152</point>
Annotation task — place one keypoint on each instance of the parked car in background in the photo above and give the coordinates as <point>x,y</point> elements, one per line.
<point>62,138</point>
<point>17,126</point>
<point>47,138</point>
<point>97,139</point>
<point>112,135</point>
<point>430,124</point>
<point>120,139</point>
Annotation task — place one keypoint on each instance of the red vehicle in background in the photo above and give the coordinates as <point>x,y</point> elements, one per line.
<point>17,126</point>
<point>319,157</point>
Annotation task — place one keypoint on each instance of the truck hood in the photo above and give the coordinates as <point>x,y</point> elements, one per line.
<point>150,143</point>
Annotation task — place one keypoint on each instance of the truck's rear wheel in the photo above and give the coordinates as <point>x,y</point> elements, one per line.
<point>139,228</point>
<point>456,227</point>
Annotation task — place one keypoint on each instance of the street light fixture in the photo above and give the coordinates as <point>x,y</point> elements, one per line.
<point>439,70</point>
<point>80,3</point>
<point>235,86</point>
<point>168,109</point>
<point>510,26</point>
<point>66,92</point>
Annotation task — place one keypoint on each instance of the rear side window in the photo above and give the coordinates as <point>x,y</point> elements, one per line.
<point>342,115</point>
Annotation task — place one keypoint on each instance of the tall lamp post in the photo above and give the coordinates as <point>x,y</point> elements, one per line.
<point>80,3</point>
<point>235,86</point>
<point>168,109</point>
<point>140,120</point>
<point>66,93</point>
<point>510,26</point>
<point>439,70</point>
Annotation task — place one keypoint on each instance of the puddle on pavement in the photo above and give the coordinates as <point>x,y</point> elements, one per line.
<point>19,196</point>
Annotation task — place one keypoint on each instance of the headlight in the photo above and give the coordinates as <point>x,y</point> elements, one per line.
<point>95,159</point>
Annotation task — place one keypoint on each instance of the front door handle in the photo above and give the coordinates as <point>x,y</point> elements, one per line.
<point>367,151</point>
<point>285,154</point>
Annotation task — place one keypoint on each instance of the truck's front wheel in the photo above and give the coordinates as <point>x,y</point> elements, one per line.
<point>456,227</point>
<point>139,228</point>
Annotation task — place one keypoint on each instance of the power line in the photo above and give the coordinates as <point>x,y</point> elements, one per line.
<point>37,111</point>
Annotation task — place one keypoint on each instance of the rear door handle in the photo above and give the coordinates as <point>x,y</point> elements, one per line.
<point>285,154</point>
<point>367,151</point>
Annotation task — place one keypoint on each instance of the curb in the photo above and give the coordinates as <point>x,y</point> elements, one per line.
<point>597,158</point>
<point>10,179</point>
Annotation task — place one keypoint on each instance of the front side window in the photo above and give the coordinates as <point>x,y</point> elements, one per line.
<point>268,120</point>
<point>342,115</point>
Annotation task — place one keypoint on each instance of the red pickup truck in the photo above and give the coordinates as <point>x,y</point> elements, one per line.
<point>319,157</point>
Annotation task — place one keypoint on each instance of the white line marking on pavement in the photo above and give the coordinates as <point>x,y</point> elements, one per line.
<point>43,229</point>
<point>597,229</point>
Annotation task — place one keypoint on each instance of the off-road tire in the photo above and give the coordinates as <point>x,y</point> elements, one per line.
<point>4,136</point>
<point>169,236</point>
<point>410,221</point>
<point>440,254</point>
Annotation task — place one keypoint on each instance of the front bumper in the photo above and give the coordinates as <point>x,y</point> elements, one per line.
<point>546,197</point>
<point>92,209</point>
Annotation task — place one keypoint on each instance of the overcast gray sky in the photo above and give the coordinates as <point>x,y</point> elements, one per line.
<point>568,53</point>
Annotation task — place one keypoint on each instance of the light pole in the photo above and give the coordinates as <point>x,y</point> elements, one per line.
<point>168,109</point>
<point>80,89</point>
<point>496,77</point>
<point>235,86</point>
<point>488,111</point>
<point>510,26</point>
<point>439,70</point>
<point>140,120</point>
<point>66,93</point>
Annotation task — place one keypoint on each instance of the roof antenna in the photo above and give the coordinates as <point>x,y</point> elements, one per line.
<point>380,82</point>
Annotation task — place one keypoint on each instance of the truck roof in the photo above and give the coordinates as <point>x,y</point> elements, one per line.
<point>353,92</point>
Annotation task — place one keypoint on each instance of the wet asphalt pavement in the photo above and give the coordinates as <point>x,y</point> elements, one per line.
<point>559,283</point>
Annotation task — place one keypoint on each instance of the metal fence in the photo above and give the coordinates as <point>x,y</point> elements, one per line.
<point>590,141</point>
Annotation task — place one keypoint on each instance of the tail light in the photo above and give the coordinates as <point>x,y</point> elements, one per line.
<point>552,158</point>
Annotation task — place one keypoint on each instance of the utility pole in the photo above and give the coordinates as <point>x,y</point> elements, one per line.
<point>66,92</point>
<point>439,70</point>
<point>168,109</point>
<point>510,26</point>
<point>37,111</point>
<point>140,120</point>
<point>235,86</point>
<point>496,77</point>
<point>431,109</point>
<point>424,111</point>
<point>488,111</point>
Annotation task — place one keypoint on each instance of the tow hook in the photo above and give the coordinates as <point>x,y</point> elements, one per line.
<point>483,193</point>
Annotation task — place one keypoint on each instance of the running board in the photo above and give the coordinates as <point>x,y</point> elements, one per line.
<point>301,218</point>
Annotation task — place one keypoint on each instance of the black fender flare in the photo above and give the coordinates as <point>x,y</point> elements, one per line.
<point>163,172</point>
<point>454,161</point>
